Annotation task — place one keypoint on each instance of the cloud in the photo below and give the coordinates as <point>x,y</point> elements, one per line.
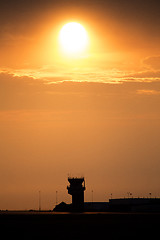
<point>148,92</point>
<point>18,92</point>
<point>39,84</point>
<point>96,100</point>
<point>58,74</point>
<point>153,62</point>
<point>142,76</point>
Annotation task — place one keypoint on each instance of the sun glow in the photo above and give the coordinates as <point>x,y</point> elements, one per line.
<point>73,38</point>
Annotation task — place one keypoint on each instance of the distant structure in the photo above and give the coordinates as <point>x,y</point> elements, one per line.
<point>130,204</point>
<point>76,189</point>
<point>134,205</point>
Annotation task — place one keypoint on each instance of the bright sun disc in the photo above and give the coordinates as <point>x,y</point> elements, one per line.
<point>73,38</point>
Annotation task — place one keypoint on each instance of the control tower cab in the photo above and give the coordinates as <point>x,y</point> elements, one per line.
<point>76,189</point>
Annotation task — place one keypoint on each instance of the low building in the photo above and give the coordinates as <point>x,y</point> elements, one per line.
<point>96,206</point>
<point>135,205</point>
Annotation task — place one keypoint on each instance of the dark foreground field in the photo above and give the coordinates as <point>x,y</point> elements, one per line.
<point>31,225</point>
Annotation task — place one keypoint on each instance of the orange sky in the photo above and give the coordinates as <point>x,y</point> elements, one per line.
<point>96,115</point>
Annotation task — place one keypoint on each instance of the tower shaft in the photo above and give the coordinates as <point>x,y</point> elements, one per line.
<point>76,189</point>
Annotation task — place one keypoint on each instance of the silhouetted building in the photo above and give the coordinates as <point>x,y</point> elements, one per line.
<point>76,189</point>
<point>96,206</point>
<point>63,207</point>
<point>135,205</point>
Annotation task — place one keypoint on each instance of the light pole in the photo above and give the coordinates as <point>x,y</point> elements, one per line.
<point>56,197</point>
<point>39,200</point>
<point>129,194</point>
<point>111,195</point>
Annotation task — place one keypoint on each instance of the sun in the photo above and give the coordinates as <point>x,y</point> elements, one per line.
<point>73,38</point>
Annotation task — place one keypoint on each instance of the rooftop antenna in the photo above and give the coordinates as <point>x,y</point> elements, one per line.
<point>39,200</point>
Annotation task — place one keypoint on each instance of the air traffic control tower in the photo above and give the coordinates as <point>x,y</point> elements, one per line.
<point>76,189</point>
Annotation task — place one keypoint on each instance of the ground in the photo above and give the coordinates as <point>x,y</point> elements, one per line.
<point>33,225</point>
